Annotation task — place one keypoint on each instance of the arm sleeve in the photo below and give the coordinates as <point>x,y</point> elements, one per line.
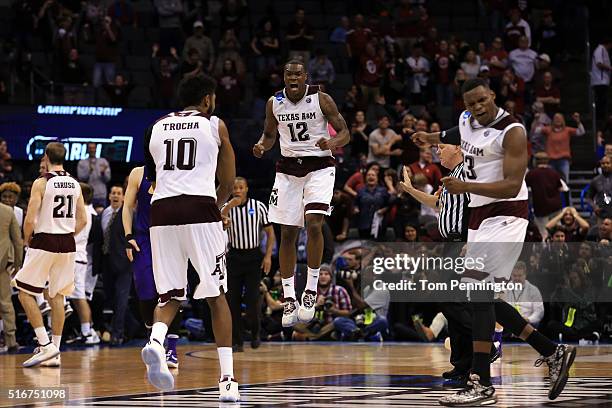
<point>149,162</point>
<point>451,136</point>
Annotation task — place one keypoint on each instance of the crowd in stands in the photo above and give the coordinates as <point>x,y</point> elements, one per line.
<point>404,76</point>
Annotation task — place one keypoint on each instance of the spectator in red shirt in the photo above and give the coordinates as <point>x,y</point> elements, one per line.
<point>425,166</point>
<point>357,181</point>
<point>357,38</point>
<point>370,73</point>
<point>229,90</point>
<point>558,142</point>
<point>497,60</point>
<point>443,64</point>
<point>546,186</point>
<point>549,94</point>
<point>515,29</point>
<point>512,88</point>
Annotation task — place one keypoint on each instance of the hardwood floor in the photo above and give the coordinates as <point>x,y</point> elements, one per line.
<point>408,373</point>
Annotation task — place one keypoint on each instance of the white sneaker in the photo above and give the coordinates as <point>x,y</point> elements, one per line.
<point>52,362</point>
<point>92,339</point>
<point>228,390</point>
<point>42,353</point>
<point>67,310</point>
<point>290,312</point>
<point>154,357</point>
<point>306,310</point>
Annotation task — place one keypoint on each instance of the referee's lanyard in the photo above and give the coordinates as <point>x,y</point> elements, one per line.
<point>516,299</point>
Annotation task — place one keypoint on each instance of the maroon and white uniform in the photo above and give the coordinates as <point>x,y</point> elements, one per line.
<point>181,152</point>
<point>305,174</point>
<point>51,255</point>
<point>497,227</point>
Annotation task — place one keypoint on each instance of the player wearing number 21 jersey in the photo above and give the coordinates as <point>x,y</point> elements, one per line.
<point>305,176</point>
<point>56,213</point>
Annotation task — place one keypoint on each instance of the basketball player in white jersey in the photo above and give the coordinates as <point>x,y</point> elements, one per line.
<point>494,146</point>
<point>56,213</point>
<point>184,151</point>
<point>305,176</point>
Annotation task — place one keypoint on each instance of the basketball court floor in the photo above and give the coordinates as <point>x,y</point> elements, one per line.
<point>312,375</point>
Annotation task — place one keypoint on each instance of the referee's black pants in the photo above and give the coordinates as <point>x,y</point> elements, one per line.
<point>459,316</point>
<point>244,271</point>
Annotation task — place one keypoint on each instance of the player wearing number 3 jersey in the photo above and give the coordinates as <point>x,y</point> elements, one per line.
<point>56,213</point>
<point>305,177</point>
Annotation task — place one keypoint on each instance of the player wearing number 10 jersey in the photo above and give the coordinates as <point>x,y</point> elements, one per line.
<point>304,183</point>
<point>184,151</point>
<point>56,213</point>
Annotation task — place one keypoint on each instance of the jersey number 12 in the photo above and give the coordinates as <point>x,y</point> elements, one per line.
<point>301,128</point>
<point>186,152</point>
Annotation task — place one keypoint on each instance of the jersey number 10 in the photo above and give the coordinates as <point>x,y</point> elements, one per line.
<point>185,147</point>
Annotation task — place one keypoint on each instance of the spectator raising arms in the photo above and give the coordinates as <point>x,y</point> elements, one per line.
<point>571,223</point>
<point>558,137</point>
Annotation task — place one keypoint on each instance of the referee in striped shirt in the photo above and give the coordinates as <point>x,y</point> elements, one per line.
<point>245,262</point>
<point>453,227</point>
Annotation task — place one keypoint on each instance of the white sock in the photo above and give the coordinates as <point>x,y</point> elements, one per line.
<point>226,361</point>
<point>158,332</point>
<point>437,324</point>
<point>86,329</point>
<point>1,325</point>
<point>39,299</point>
<point>313,279</point>
<point>57,340</point>
<point>288,288</point>
<point>41,335</point>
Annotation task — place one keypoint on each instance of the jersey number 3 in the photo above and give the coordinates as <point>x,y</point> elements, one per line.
<point>64,207</point>
<point>185,155</point>
<point>469,168</point>
<point>301,128</point>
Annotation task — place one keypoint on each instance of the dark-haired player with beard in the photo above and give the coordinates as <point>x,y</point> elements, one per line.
<point>494,146</point>
<point>305,177</point>
<point>184,151</point>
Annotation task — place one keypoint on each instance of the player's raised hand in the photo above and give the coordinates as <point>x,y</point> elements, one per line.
<point>421,139</point>
<point>406,184</point>
<point>324,144</point>
<point>132,245</point>
<point>454,185</point>
<point>258,150</point>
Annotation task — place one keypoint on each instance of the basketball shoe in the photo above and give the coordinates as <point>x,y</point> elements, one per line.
<point>154,357</point>
<point>42,353</point>
<point>559,364</point>
<point>45,308</point>
<point>290,312</point>
<point>474,395</point>
<point>228,390</point>
<point>172,358</point>
<point>92,339</point>
<point>52,362</point>
<point>306,310</point>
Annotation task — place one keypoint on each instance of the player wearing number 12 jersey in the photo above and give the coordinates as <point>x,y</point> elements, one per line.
<point>305,177</point>
<point>56,213</point>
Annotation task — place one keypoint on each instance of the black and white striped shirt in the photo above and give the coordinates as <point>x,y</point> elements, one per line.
<point>247,221</point>
<point>452,219</point>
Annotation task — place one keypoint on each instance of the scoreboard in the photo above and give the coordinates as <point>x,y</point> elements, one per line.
<point>118,132</point>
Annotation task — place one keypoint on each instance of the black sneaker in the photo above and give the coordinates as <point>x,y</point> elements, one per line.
<point>456,375</point>
<point>474,395</point>
<point>237,348</point>
<point>559,364</point>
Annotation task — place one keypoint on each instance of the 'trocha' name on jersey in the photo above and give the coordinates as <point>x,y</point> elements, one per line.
<point>287,117</point>
<point>469,149</point>
<point>181,126</point>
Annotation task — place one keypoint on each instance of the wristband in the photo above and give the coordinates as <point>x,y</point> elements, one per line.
<point>129,237</point>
